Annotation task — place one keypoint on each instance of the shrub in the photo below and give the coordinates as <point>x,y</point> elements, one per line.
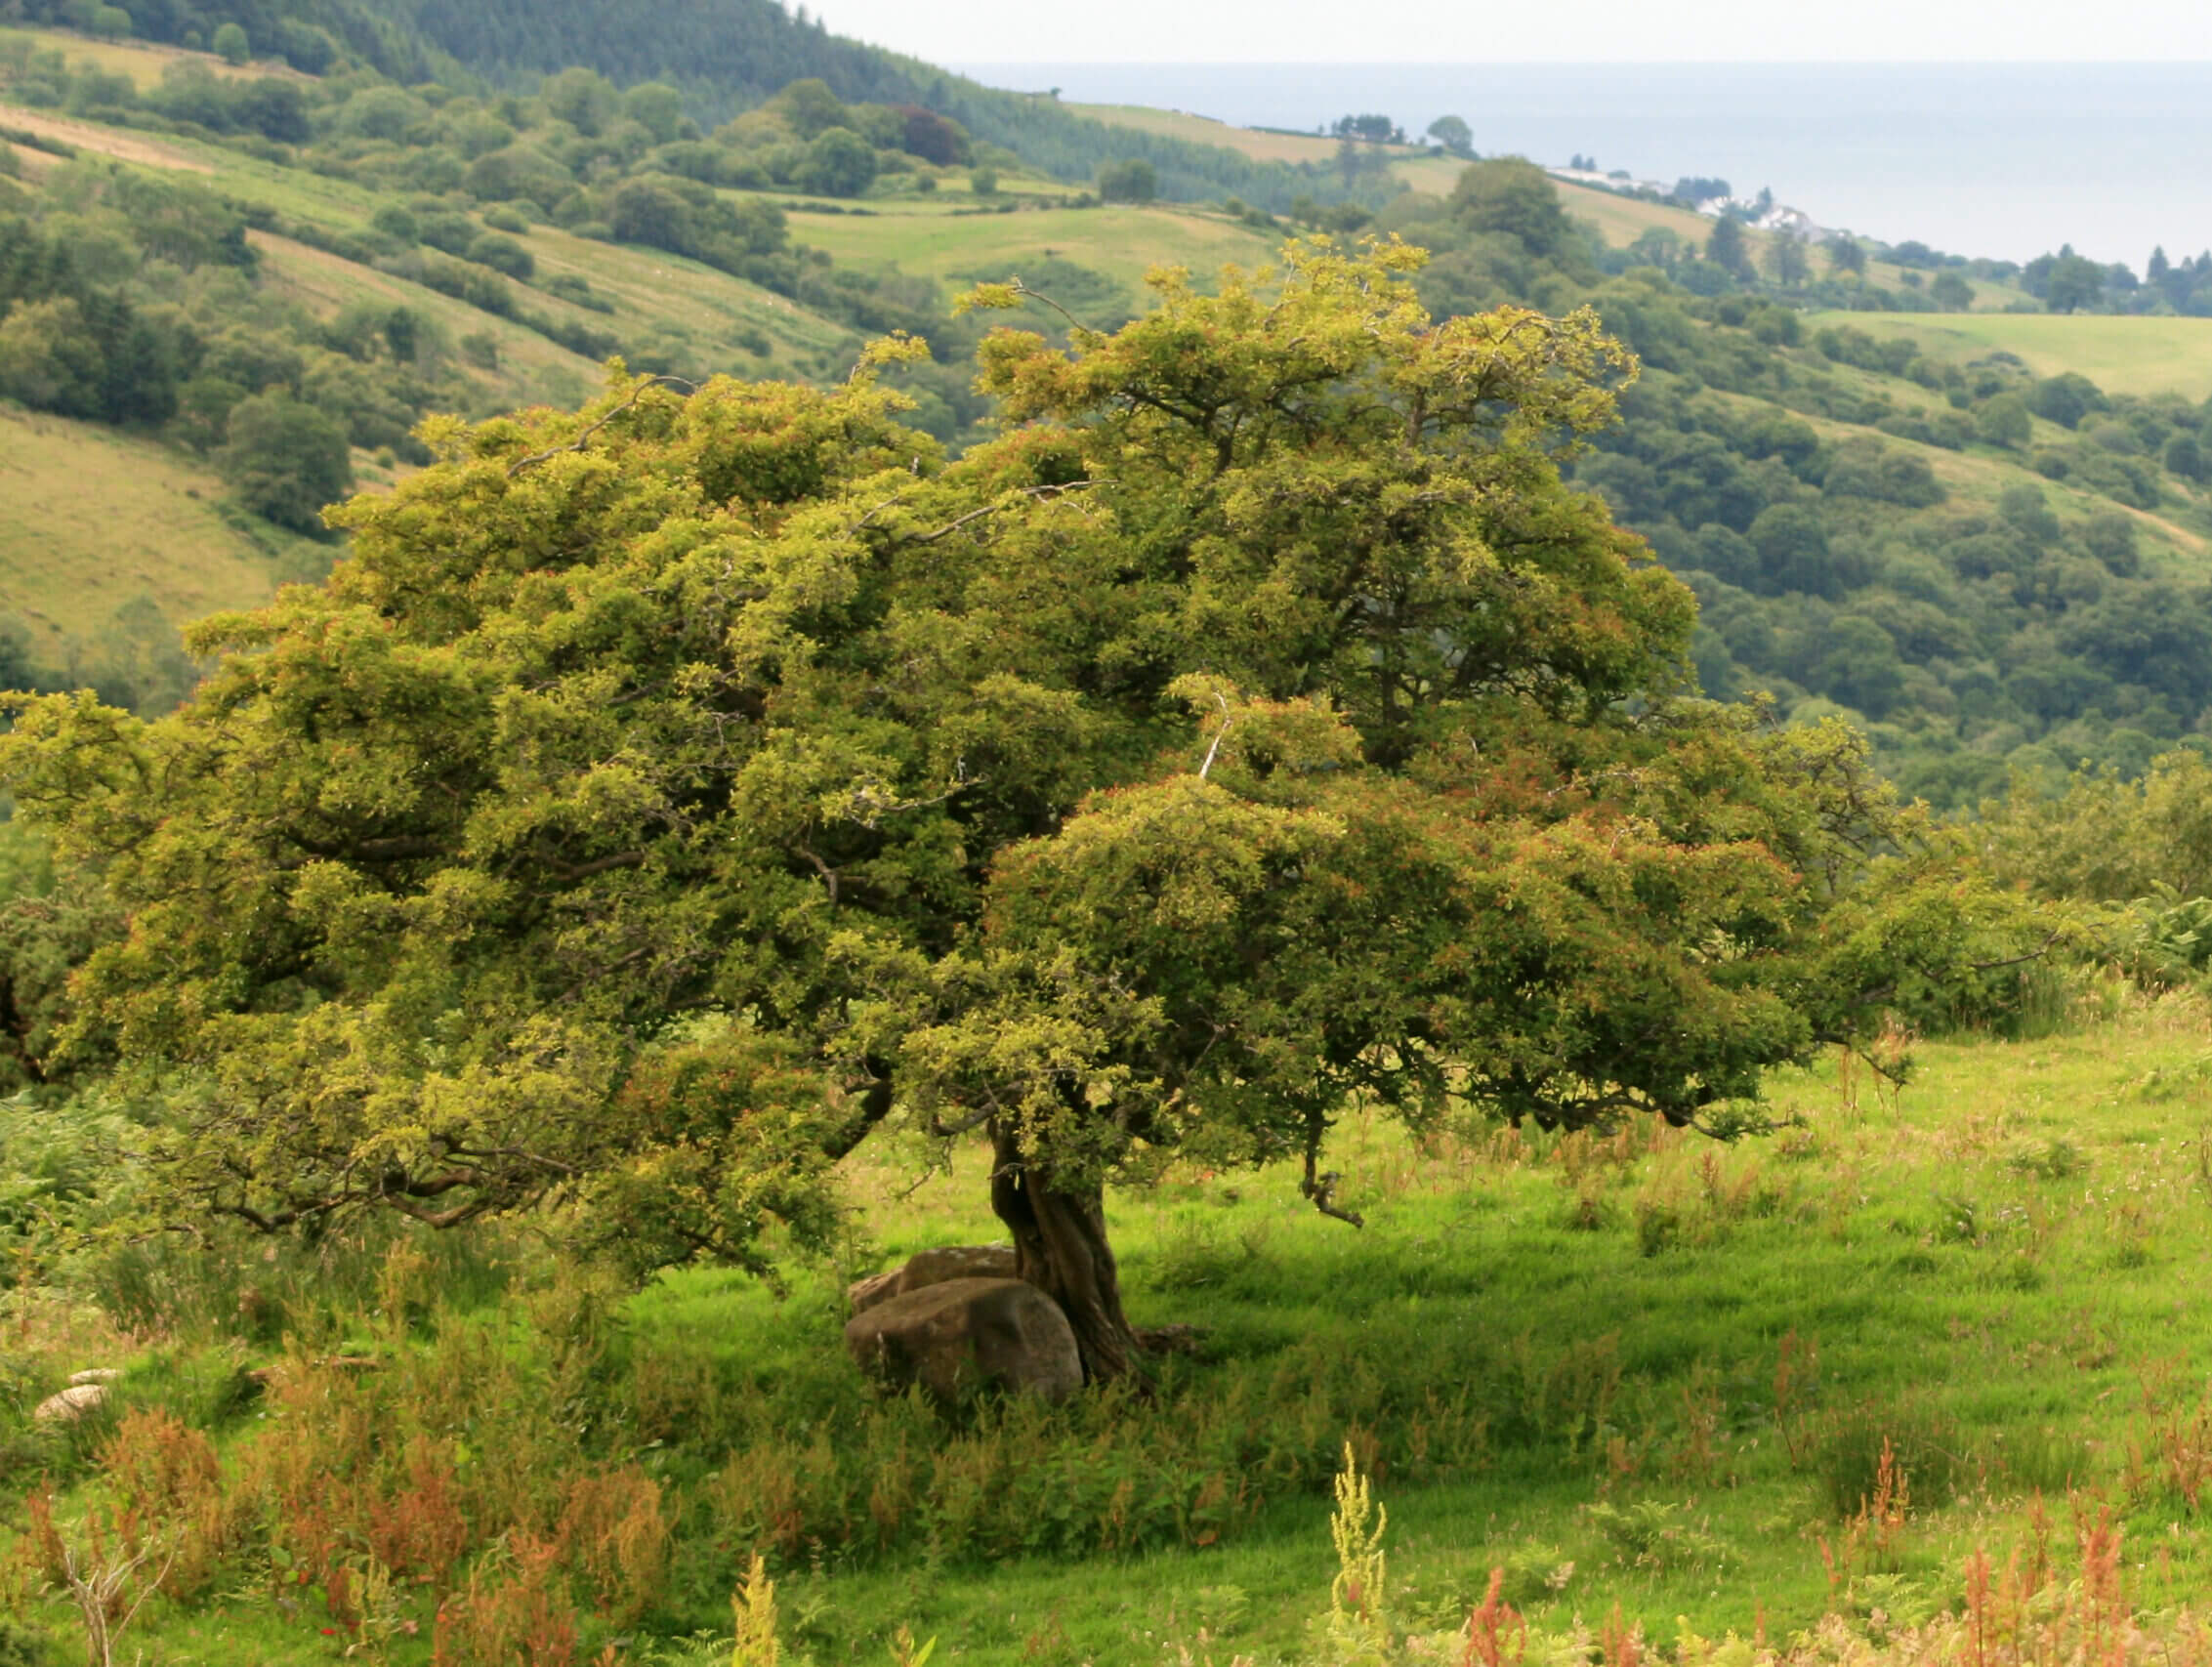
<point>501,253</point>
<point>2003,419</point>
<point>396,224</point>
<point>1131,181</point>
<point>2067,399</point>
<point>838,163</point>
<point>285,459</point>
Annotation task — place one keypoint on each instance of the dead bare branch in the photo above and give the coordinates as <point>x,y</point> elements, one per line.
<point>593,427</point>
<point>951,527</point>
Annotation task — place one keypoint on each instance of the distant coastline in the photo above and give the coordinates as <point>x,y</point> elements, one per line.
<point>2008,160</point>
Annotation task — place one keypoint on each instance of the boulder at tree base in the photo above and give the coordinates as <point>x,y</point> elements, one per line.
<point>933,1267</point>
<point>964,1334</point>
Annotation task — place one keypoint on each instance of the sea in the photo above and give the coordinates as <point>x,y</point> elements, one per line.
<point>2004,160</point>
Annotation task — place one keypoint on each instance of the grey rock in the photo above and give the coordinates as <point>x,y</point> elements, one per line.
<point>71,1404</point>
<point>96,1375</point>
<point>962,1334</point>
<point>933,1267</point>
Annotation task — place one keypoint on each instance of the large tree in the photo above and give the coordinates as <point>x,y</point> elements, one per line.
<point>1728,248</point>
<point>2074,282</point>
<point>1515,196</point>
<point>663,797</point>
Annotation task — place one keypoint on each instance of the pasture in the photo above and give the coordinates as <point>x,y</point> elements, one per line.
<point>1120,240</point>
<point>1645,1376</point>
<point>144,61</point>
<point>1259,144</point>
<point>92,519</point>
<point>2120,354</point>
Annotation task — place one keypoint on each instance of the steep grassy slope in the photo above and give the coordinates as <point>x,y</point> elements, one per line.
<point>1262,144</point>
<point>146,62</point>
<point>1124,242</point>
<point>2120,354</point>
<point>92,521</point>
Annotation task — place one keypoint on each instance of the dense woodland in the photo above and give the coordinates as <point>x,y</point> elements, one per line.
<point>1975,645</point>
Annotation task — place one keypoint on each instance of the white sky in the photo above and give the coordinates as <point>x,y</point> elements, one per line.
<point>1582,31</point>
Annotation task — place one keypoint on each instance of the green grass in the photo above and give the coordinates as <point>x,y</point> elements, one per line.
<point>1259,144</point>
<point>143,61</point>
<point>651,288</point>
<point>120,143</point>
<point>1124,242</point>
<point>2120,354</point>
<point>1993,1270</point>
<point>92,519</point>
<point>2031,1332</point>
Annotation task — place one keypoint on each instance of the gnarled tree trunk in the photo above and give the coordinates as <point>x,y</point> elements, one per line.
<point>1060,1246</point>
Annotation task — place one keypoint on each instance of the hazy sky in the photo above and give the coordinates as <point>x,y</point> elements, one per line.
<point>1400,32</point>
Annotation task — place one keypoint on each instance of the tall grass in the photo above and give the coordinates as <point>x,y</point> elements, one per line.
<point>1633,1368</point>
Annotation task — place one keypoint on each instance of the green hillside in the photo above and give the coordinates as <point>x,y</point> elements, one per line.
<point>1121,243</point>
<point>92,521</point>
<point>1982,536</point>
<point>725,54</point>
<point>1260,144</point>
<point>2121,355</point>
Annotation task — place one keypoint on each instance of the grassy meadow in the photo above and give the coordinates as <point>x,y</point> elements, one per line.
<point>92,519</point>
<point>146,62</point>
<point>1259,144</point>
<point>1647,1378</point>
<point>2121,355</point>
<point>1121,241</point>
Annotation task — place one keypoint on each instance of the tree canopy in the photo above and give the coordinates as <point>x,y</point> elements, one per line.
<point>1514,196</point>
<point>664,796</point>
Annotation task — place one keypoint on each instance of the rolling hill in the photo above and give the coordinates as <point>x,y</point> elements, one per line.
<point>1986,591</point>
<point>2129,353</point>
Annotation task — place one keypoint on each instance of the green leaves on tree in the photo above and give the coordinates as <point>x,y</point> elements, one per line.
<point>663,797</point>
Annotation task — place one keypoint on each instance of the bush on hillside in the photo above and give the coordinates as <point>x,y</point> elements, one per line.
<point>285,459</point>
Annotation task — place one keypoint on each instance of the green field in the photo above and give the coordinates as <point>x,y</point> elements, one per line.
<point>144,63</point>
<point>2120,354</point>
<point>1124,242</point>
<point>91,520</point>
<point>1660,1366</point>
<point>1413,164</point>
<point>1252,141</point>
<point>84,136</point>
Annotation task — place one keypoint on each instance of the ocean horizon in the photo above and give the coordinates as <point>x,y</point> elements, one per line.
<point>2005,160</point>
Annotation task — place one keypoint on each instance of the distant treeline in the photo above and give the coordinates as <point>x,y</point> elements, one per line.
<point>310,35</point>
<point>725,56</point>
